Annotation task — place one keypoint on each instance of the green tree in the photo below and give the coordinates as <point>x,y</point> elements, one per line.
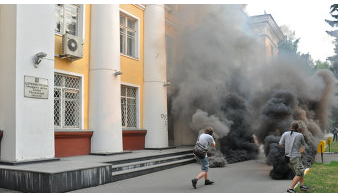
<point>307,59</point>
<point>321,65</point>
<point>334,33</point>
<point>333,12</point>
<point>289,47</point>
<point>333,119</point>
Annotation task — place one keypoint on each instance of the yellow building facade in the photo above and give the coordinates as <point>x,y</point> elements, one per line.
<point>80,66</point>
<point>132,67</point>
<point>93,76</point>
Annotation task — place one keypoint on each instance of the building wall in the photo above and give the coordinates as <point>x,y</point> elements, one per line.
<point>7,101</point>
<point>269,49</point>
<point>265,27</point>
<point>27,120</point>
<point>132,68</point>
<point>79,66</point>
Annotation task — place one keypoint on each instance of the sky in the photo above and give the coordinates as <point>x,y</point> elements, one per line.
<point>306,19</point>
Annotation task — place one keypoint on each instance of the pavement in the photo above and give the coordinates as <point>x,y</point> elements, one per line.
<point>249,176</point>
<point>8,191</point>
<point>244,177</point>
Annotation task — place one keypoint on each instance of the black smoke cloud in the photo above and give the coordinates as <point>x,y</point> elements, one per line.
<point>220,75</point>
<point>239,144</point>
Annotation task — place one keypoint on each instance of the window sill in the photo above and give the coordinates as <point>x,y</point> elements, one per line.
<point>71,130</point>
<point>133,129</point>
<point>137,59</point>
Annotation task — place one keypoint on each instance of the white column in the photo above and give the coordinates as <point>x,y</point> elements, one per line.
<point>104,87</point>
<point>28,123</point>
<point>155,93</point>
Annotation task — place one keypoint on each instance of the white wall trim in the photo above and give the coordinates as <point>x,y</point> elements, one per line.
<point>130,57</point>
<point>138,102</point>
<point>83,10</point>
<point>82,92</point>
<point>138,32</point>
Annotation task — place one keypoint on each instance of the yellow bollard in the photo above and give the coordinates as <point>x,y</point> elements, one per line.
<point>321,149</point>
<point>307,170</point>
<point>328,142</point>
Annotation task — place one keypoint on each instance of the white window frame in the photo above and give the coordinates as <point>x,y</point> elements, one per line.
<point>81,23</point>
<point>138,110</point>
<point>81,95</point>
<point>137,23</point>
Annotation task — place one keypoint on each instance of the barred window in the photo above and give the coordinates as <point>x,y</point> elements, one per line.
<point>67,101</point>
<point>128,106</point>
<point>128,38</point>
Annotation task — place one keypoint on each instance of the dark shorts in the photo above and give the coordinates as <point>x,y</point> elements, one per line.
<point>297,166</point>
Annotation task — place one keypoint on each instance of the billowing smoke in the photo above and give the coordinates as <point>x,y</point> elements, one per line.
<point>275,157</point>
<point>239,144</point>
<point>304,102</point>
<point>220,77</point>
<point>201,119</point>
<point>212,54</point>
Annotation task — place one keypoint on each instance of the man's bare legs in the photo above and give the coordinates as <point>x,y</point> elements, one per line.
<point>201,175</point>
<point>295,180</point>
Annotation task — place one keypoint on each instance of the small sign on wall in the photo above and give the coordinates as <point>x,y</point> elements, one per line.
<point>36,87</point>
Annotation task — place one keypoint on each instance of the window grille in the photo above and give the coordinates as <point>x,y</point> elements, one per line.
<point>128,106</point>
<point>128,35</point>
<point>67,101</point>
<point>67,19</point>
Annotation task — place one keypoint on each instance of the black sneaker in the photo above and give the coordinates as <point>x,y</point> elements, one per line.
<point>304,188</point>
<point>194,182</point>
<point>208,182</point>
<point>291,191</point>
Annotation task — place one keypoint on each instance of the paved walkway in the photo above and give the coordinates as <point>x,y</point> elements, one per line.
<point>245,177</point>
<point>8,191</point>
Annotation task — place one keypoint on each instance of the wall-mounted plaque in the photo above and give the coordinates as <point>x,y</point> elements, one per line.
<point>36,87</point>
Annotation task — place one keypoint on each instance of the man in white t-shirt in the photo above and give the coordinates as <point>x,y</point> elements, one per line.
<point>205,139</point>
<point>294,144</point>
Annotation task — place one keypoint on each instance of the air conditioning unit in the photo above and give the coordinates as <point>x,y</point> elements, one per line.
<point>72,47</point>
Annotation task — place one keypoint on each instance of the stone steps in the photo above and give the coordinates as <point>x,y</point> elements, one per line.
<point>80,172</point>
<point>146,165</point>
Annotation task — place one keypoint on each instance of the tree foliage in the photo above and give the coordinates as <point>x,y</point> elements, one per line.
<point>334,33</point>
<point>289,48</point>
<point>333,119</point>
<point>321,65</point>
<point>307,59</point>
<point>333,12</point>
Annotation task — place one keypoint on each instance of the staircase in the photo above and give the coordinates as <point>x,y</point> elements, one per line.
<point>129,168</point>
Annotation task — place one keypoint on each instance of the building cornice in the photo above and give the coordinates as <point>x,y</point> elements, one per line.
<point>270,23</point>
<point>140,6</point>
